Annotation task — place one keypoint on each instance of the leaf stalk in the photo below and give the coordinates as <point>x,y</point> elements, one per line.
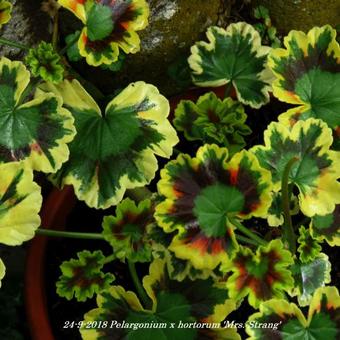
<point>138,285</point>
<point>286,193</point>
<point>12,43</point>
<point>69,234</point>
<point>259,241</point>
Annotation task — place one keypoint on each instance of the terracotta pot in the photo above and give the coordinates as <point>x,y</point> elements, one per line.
<point>53,215</point>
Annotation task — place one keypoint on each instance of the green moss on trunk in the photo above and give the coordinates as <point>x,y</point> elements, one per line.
<point>301,14</point>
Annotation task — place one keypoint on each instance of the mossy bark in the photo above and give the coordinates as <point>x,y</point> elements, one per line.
<point>174,26</point>
<point>301,14</point>
<point>28,25</point>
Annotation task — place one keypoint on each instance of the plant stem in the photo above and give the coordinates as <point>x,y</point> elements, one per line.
<point>69,234</point>
<point>109,259</point>
<point>250,234</point>
<point>228,89</point>
<point>139,287</point>
<point>55,31</point>
<point>246,240</point>
<point>288,225</point>
<point>11,43</point>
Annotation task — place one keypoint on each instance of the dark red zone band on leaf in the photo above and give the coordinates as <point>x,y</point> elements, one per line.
<point>194,238</point>
<point>260,286</point>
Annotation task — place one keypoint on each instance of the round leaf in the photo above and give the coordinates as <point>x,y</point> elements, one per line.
<point>198,202</point>
<point>127,231</point>
<point>115,150</point>
<point>315,172</point>
<point>20,202</point>
<point>309,277</point>
<point>261,276</point>
<point>213,121</point>
<point>233,55</point>
<point>308,74</point>
<point>83,277</point>
<point>110,26</point>
<point>36,131</point>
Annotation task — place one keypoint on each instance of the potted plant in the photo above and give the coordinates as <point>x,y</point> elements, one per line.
<point>233,235</point>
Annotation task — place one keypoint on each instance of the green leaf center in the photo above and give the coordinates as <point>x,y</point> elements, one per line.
<point>99,22</point>
<point>258,269</point>
<point>321,89</point>
<point>213,204</point>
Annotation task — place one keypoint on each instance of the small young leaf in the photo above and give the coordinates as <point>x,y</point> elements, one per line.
<point>35,131</point>
<point>309,277</point>
<point>212,120</point>
<point>309,248</point>
<point>44,62</point>
<point>127,231</point>
<point>261,276</point>
<point>235,56</point>
<point>82,277</point>
<point>261,12</point>
<point>114,150</point>
<point>99,21</point>
<point>308,74</point>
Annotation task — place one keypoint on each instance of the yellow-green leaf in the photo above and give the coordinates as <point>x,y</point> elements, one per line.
<point>114,150</point>
<point>20,202</point>
<point>32,130</point>
<point>308,75</point>
<point>315,172</point>
<point>233,55</point>
<point>2,271</point>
